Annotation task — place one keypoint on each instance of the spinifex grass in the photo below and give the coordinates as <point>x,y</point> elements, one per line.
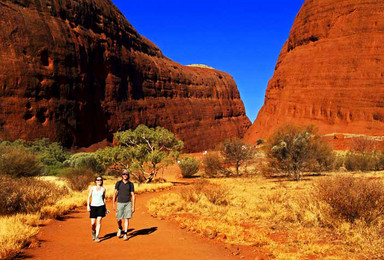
<point>285,219</point>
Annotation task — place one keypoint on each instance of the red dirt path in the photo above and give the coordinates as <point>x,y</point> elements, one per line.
<point>155,239</point>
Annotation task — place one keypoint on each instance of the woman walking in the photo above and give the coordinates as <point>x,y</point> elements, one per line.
<point>97,207</point>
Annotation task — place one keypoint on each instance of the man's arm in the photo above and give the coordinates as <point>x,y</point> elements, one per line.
<point>133,200</point>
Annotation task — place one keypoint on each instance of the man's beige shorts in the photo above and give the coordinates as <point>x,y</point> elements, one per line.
<point>124,210</point>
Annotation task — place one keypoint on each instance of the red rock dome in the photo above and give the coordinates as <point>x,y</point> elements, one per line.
<point>77,71</point>
<point>330,72</point>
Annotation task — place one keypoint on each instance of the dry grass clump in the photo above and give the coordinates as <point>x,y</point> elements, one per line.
<point>15,233</point>
<point>18,162</point>
<point>27,195</point>
<point>353,198</point>
<point>214,193</point>
<point>284,219</point>
<point>78,178</point>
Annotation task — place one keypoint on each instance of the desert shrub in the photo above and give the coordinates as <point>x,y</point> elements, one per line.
<point>363,145</point>
<point>188,166</point>
<point>293,150</point>
<point>213,166</point>
<point>27,195</point>
<point>17,162</point>
<point>236,151</point>
<point>84,161</point>
<point>79,179</point>
<point>353,198</point>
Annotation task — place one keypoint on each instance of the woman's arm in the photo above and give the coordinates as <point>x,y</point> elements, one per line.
<point>89,197</point>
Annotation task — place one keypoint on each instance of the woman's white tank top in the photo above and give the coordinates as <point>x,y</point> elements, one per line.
<point>97,197</point>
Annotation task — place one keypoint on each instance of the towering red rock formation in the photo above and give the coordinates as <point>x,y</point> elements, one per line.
<point>330,72</point>
<point>76,71</point>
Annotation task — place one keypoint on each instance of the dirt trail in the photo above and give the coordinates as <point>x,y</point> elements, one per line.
<point>151,238</point>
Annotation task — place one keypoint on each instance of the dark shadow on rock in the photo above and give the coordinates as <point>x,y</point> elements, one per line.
<point>141,232</point>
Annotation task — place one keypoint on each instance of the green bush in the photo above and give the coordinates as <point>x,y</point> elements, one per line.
<point>27,195</point>
<point>51,154</point>
<point>84,161</point>
<point>18,162</point>
<point>188,166</point>
<point>353,198</point>
<point>79,179</point>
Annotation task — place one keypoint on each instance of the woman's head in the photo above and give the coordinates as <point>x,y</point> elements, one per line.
<point>99,181</point>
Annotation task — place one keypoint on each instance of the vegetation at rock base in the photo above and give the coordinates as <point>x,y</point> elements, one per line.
<point>293,150</point>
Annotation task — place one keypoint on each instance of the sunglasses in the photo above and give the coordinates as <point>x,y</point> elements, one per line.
<point>98,179</point>
<point>125,174</point>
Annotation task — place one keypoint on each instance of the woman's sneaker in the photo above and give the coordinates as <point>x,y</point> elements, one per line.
<point>125,237</point>
<point>93,235</point>
<point>97,240</point>
<point>118,232</point>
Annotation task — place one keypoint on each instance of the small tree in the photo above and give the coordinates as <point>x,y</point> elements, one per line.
<point>117,155</point>
<point>236,151</point>
<point>294,149</point>
<point>149,146</point>
<point>188,166</point>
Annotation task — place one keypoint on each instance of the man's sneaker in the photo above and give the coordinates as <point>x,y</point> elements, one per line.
<point>97,240</point>
<point>125,237</point>
<point>93,235</point>
<point>118,232</point>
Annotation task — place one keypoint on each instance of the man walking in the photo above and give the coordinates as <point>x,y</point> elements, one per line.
<point>124,193</point>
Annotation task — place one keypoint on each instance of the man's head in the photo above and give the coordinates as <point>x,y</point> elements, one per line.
<point>125,175</point>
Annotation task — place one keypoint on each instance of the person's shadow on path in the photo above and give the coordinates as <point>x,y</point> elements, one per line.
<point>111,235</point>
<point>141,232</point>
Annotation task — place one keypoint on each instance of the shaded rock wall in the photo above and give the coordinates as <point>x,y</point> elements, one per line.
<point>76,71</point>
<point>330,72</point>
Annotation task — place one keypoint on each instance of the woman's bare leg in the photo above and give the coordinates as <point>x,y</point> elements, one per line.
<point>98,226</point>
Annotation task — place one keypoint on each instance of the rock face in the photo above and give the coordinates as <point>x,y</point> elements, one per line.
<point>330,72</point>
<point>76,71</point>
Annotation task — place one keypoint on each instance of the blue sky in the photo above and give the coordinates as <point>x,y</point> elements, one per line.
<point>240,37</point>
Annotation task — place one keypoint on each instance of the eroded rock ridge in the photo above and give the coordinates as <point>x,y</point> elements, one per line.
<point>76,71</point>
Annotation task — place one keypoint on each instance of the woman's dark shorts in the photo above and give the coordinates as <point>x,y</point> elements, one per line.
<point>97,211</point>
